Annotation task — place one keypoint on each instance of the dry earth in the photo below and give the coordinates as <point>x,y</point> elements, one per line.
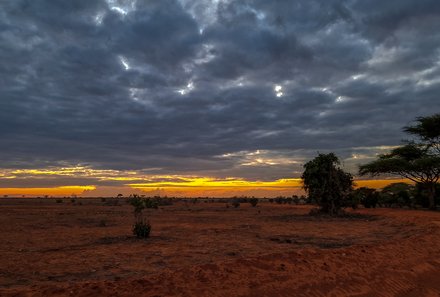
<point>206,249</point>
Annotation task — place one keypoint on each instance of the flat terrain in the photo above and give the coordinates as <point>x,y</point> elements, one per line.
<point>207,249</point>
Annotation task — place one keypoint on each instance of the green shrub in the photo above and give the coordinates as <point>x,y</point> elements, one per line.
<point>141,203</point>
<point>142,229</point>
<point>371,200</point>
<point>396,195</point>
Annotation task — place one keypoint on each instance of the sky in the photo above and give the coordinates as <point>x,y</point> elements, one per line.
<point>206,97</point>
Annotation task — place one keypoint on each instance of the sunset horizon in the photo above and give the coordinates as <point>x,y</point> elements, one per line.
<point>174,186</point>
<point>211,148</point>
<point>118,96</point>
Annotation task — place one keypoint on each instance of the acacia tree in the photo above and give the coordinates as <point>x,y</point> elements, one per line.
<point>326,183</point>
<point>418,160</point>
<point>427,130</point>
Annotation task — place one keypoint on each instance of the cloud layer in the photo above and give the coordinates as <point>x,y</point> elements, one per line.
<point>199,87</point>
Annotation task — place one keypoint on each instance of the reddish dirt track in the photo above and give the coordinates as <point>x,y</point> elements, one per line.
<point>206,249</point>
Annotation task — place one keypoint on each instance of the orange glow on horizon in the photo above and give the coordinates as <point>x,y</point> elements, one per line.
<point>205,182</point>
<point>55,191</point>
<point>184,186</point>
<point>210,187</point>
<point>380,183</point>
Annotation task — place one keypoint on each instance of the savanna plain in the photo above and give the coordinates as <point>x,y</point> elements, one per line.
<point>85,247</point>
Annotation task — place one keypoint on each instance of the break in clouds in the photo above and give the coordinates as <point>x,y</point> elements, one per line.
<point>249,89</point>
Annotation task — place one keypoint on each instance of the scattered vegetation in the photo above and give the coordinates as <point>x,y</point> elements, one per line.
<point>418,160</point>
<point>394,195</point>
<point>59,200</point>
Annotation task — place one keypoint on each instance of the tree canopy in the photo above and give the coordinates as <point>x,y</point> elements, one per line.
<point>326,183</point>
<point>417,160</point>
<point>427,129</point>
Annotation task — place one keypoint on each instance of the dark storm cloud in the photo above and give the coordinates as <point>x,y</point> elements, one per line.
<point>175,85</point>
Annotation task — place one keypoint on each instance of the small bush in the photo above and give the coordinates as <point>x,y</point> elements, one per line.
<point>396,195</point>
<point>370,201</point>
<point>235,204</point>
<point>253,201</point>
<point>142,229</point>
<point>59,201</point>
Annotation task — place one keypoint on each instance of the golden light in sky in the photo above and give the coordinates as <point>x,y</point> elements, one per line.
<point>170,185</point>
<point>53,191</point>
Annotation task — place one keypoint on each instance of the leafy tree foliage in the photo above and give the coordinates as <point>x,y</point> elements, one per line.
<point>397,194</point>
<point>366,196</point>
<point>417,160</point>
<point>326,183</point>
<point>427,129</point>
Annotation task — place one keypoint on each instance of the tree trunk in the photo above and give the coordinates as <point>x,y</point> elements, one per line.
<point>431,195</point>
<point>333,209</point>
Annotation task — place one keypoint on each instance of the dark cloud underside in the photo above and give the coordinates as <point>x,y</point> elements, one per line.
<point>179,85</point>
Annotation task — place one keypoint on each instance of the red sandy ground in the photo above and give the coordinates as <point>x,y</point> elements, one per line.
<point>206,249</point>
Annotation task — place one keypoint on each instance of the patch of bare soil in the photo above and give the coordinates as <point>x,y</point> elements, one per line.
<point>206,249</point>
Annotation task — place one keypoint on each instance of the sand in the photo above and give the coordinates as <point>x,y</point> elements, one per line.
<point>206,249</point>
